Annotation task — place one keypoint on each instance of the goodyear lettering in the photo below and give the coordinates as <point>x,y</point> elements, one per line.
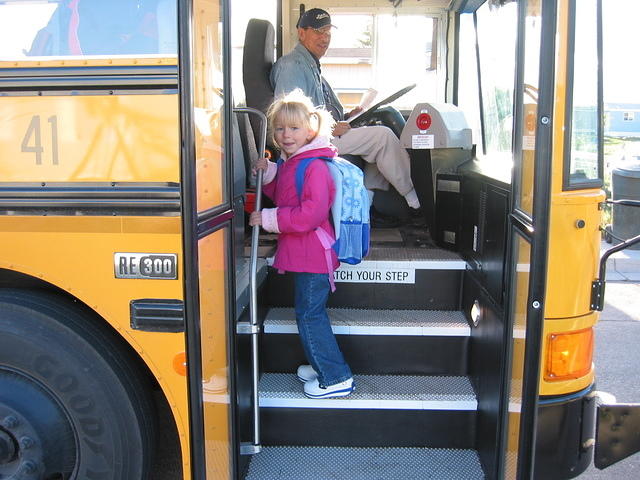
<point>98,449</point>
<point>43,365</point>
<point>82,407</point>
<point>92,427</point>
<point>81,404</point>
<point>66,383</point>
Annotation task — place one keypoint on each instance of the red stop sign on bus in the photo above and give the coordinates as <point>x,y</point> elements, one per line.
<point>423,121</point>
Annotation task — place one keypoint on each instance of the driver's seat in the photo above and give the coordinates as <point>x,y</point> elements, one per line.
<point>257,61</point>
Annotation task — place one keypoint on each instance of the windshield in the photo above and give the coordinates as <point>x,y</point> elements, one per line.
<point>87,28</point>
<point>383,52</point>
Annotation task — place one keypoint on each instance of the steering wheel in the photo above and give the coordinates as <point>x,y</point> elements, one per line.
<point>370,112</point>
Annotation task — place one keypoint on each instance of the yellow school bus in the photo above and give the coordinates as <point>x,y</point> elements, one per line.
<point>143,334</point>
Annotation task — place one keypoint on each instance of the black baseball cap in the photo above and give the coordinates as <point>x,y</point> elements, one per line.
<point>314,18</point>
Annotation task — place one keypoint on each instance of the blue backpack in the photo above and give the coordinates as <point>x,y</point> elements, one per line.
<point>349,212</point>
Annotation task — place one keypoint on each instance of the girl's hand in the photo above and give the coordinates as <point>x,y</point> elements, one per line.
<point>255,218</point>
<point>260,164</point>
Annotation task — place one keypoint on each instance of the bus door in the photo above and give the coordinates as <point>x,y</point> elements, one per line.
<point>528,223</point>
<point>207,209</point>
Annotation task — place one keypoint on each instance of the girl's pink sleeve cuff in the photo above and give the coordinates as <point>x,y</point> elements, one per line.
<point>270,220</point>
<point>270,173</point>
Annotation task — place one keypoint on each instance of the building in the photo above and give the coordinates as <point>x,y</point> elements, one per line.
<point>622,120</point>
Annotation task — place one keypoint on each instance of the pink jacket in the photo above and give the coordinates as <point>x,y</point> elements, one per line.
<point>296,218</point>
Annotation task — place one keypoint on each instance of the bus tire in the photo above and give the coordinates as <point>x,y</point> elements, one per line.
<point>72,404</point>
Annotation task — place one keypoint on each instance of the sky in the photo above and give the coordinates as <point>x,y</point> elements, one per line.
<point>621,27</point>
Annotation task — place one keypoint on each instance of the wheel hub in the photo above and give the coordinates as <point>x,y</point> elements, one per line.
<point>8,447</point>
<point>31,423</point>
<point>20,450</point>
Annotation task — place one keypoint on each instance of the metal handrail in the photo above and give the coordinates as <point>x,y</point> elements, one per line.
<point>255,447</point>
<point>625,202</point>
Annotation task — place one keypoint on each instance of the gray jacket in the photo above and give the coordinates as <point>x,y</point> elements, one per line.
<point>299,69</point>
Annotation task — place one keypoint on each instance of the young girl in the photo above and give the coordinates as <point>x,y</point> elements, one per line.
<point>302,131</point>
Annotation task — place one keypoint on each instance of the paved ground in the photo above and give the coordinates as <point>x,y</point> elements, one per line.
<point>617,353</point>
<point>622,266</point>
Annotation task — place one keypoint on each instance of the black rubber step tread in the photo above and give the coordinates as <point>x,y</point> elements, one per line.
<point>351,321</point>
<point>410,392</point>
<point>344,463</point>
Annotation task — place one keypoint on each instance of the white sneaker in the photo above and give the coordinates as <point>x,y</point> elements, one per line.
<point>313,389</point>
<point>306,373</point>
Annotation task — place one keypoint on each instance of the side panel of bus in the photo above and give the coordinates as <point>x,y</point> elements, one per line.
<point>89,205</point>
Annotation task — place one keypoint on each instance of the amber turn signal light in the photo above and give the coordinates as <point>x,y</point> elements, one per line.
<point>569,355</point>
<point>180,364</point>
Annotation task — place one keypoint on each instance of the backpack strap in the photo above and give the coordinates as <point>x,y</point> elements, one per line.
<point>301,170</point>
<point>327,243</point>
<point>325,239</point>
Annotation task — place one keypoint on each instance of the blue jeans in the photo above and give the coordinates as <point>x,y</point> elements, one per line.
<point>318,341</point>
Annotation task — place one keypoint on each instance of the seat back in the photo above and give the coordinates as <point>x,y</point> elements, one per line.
<point>257,61</point>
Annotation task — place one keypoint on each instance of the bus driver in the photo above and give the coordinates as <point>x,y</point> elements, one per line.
<point>387,161</point>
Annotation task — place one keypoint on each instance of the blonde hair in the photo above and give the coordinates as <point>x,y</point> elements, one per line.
<point>296,109</point>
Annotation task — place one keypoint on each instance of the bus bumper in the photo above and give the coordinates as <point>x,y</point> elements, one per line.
<point>608,432</point>
<point>565,435</point>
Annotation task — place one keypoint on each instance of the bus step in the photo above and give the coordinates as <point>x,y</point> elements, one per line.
<point>375,392</point>
<point>352,321</point>
<point>338,463</point>
<point>390,278</point>
<point>409,342</point>
<point>384,411</point>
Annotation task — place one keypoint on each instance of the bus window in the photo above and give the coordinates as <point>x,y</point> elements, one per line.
<point>583,168</point>
<point>468,90</point>
<point>497,32</point>
<point>366,49</point>
<point>523,187</point>
<point>520,289</point>
<point>87,28</point>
